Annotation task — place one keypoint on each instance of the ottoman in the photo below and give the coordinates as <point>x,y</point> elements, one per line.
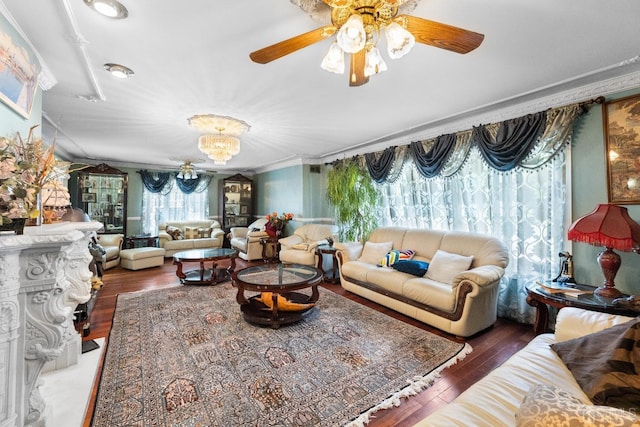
<point>139,258</point>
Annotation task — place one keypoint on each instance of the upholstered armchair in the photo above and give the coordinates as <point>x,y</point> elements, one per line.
<point>246,240</point>
<point>300,247</point>
<point>112,244</point>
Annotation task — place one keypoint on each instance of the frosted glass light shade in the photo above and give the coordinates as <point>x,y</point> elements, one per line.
<point>374,63</point>
<point>399,40</point>
<point>351,36</point>
<point>334,60</point>
<point>219,148</point>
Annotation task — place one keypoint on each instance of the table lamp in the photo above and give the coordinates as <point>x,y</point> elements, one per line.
<point>609,226</point>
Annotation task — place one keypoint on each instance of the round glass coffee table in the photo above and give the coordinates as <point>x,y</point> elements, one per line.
<point>205,275</point>
<point>281,280</point>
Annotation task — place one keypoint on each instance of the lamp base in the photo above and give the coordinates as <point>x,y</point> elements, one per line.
<point>609,264</point>
<point>606,292</point>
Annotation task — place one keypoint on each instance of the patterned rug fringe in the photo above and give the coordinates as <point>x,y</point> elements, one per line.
<point>416,386</point>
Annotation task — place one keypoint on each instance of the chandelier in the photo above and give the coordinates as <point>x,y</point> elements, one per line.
<point>220,147</point>
<point>187,171</point>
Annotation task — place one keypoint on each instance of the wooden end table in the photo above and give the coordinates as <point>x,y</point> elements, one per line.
<point>205,275</point>
<point>333,275</point>
<point>540,299</point>
<point>271,242</point>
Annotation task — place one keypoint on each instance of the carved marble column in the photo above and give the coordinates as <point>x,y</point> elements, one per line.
<point>35,316</point>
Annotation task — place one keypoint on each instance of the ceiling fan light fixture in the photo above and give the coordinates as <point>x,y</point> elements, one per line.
<point>187,171</point>
<point>374,63</point>
<point>109,8</point>
<point>119,71</point>
<point>399,40</point>
<point>352,36</point>
<point>334,60</point>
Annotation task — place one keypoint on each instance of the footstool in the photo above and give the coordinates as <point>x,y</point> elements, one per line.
<point>139,258</point>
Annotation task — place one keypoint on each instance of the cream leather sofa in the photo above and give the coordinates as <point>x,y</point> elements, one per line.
<point>300,247</point>
<point>246,240</point>
<point>464,306</point>
<point>190,240</point>
<point>495,400</point>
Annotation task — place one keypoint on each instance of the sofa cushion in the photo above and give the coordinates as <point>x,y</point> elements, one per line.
<point>605,364</point>
<point>373,252</point>
<point>547,405</point>
<point>175,232</point>
<point>414,267</point>
<point>445,266</point>
<point>395,256</point>
<point>191,233</point>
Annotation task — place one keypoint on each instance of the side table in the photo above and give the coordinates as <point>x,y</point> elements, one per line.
<point>333,275</point>
<point>540,299</point>
<point>271,242</point>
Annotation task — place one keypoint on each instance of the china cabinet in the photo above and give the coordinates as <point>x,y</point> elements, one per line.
<point>102,194</point>
<point>236,201</point>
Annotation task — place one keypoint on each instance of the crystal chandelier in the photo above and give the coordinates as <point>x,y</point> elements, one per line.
<point>187,171</point>
<point>220,147</point>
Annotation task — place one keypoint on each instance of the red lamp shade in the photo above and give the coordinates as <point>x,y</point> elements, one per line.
<point>612,227</point>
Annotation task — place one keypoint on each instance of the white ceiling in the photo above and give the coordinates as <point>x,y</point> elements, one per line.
<point>192,57</point>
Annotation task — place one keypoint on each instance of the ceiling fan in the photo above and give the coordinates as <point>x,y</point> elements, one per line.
<point>358,24</point>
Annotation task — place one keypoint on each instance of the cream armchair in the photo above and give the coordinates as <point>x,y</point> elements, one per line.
<point>246,240</point>
<point>300,247</point>
<point>112,244</point>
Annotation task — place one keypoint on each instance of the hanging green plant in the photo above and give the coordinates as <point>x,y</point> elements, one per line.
<point>353,195</point>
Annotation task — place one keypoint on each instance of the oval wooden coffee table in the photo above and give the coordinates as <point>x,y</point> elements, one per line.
<point>205,275</point>
<point>281,280</point>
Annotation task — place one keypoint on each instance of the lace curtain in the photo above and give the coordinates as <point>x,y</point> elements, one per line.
<point>457,182</point>
<point>170,202</point>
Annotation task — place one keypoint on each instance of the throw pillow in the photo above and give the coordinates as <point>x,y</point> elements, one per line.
<point>372,252</point>
<point>396,255</point>
<point>546,405</point>
<point>204,233</point>
<point>301,246</point>
<point>191,232</point>
<point>174,232</point>
<point>445,266</point>
<point>417,268</point>
<point>606,364</point>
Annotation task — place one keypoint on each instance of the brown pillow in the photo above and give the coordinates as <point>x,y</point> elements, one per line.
<point>175,233</point>
<point>606,364</point>
<point>204,233</point>
<point>191,233</point>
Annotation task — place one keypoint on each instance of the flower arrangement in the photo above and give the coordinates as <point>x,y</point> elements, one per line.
<point>25,167</point>
<point>278,222</point>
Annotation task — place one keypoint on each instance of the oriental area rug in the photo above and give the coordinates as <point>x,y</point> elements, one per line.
<point>185,356</point>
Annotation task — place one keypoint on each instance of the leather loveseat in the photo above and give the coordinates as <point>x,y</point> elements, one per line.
<point>176,236</point>
<point>457,293</point>
<point>300,247</point>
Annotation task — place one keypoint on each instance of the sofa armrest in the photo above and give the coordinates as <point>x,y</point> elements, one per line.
<point>573,322</point>
<point>255,236</point>
<point>239,232</point>
<point>217,233</point>
<point>349,251</point>
<point>287,242</point>
<point>313,245</point>
<point>483,275</point>
<point>163,237</point>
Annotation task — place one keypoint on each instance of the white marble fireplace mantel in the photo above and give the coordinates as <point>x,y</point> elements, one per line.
<point>43,276</point>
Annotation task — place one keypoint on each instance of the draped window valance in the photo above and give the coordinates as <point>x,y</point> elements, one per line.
<point>528,142</point>
<point>162,182</point>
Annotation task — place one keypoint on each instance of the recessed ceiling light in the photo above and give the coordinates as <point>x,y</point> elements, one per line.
<point>119,71</point>
<point>109,8</point>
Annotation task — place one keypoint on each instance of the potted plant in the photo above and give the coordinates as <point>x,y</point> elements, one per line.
<point>276,223</point>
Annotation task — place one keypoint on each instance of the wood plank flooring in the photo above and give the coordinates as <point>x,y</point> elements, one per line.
<point>490,348</point>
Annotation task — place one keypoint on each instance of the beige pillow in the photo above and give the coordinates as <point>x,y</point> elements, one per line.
<point>373,252</point>
<point>445,266</point>
<point>191,233</point>
<point>546,405</point>
<point>204,233</point>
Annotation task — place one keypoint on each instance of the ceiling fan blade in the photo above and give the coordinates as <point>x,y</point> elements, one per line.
<point>356,69</point>
<point>285,47</point>
<point>441,35</point>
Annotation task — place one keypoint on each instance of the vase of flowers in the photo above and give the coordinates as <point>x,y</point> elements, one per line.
<point>275,223</point>
<point>25,167</point>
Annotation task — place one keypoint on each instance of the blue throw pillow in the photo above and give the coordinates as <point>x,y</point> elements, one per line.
<point>417,268</point>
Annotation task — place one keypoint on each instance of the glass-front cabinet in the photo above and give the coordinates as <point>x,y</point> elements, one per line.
<point>102,194</point>
<point>236,201</point>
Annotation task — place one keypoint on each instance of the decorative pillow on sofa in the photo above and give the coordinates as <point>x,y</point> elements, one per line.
<point>372,252</point>
<point>606,364</point>
<point>546,405</point>
<point>417,268</point>
<point>396,255</point>
<point>175,233</point>
<point>204,233</point>
<point>445,266</point>
<point>191,232</point>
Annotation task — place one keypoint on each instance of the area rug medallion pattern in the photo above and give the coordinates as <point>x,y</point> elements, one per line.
<point>184,356</point>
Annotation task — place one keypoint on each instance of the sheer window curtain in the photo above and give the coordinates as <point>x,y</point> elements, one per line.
<point>172,205</point>
<point>523,208</point>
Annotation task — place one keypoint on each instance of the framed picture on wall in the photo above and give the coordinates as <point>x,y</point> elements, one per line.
<point>622,142</point>
<point>89,197</point>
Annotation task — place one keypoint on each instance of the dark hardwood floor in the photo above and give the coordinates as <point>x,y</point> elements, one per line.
<point>490,348</point>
